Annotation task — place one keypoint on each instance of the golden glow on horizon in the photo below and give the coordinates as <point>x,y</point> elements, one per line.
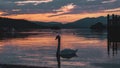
<point>61,18</point>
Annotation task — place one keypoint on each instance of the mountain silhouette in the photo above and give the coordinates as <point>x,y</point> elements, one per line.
<point>24,24</point>
<point>18,24</point>
<point>86,22</point>
<point>98,26</point>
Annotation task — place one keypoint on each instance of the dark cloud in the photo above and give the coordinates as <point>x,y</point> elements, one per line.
<point>82,6</point>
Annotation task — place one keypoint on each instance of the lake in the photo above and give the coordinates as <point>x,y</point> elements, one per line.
<point>38,48</point>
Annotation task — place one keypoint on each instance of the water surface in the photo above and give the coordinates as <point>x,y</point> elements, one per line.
<point>38,48</point>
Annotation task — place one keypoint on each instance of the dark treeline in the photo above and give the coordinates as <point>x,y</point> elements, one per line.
<point>21,25</point>
<point>7,24</point>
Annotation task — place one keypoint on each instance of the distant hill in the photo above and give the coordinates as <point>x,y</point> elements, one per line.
<point>24,24</point>
<point>98,26</point>
<point>86,22</point>
<point>18,24</point>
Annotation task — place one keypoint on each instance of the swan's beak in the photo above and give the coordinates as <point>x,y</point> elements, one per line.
<point>56,38</point>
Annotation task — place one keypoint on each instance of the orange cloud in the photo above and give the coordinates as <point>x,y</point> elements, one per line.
<point>61,18</point>
<point>1,13</point>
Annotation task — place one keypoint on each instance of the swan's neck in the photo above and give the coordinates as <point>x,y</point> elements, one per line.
<point>59,43</point>
<point>58,48</point>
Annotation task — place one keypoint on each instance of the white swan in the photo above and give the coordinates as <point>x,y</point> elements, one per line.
<point>66,53</point>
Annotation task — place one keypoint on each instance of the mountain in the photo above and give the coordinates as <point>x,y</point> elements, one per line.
<point>24,24</point>
<point>86,22</point>
<point>98,26</point>
<point>19,24</point>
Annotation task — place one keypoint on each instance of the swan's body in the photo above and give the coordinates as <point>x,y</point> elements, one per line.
<point>68,53</point>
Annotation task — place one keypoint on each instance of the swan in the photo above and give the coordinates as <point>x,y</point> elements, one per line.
<point>66,53</point>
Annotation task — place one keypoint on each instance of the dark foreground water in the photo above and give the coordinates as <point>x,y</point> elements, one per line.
<point>38,48</point>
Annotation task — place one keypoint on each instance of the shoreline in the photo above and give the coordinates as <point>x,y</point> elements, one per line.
<point>19,66</point>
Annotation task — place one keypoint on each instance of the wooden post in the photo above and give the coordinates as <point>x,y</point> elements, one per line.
<point>113,35</point>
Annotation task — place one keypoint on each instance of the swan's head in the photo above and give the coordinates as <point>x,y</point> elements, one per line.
<point>57,37</point>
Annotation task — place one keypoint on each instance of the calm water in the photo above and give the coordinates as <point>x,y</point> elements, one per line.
<point>38,48</point>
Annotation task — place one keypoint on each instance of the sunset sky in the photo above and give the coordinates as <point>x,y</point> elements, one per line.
<point>57,10</point>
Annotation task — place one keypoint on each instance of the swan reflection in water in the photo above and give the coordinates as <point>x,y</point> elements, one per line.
<point>66,53</point>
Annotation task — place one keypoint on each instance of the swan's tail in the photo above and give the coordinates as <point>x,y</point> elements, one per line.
<point>76,50</point>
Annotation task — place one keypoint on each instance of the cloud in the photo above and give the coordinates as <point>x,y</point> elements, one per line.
<point>90,0</point>
<point>59,6</point>
<point>64,9</point>
<point>2,13</point>
<point>16,10</point>
<point>109,1</point>
<point>112,10</point>
<point>34,2</point>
